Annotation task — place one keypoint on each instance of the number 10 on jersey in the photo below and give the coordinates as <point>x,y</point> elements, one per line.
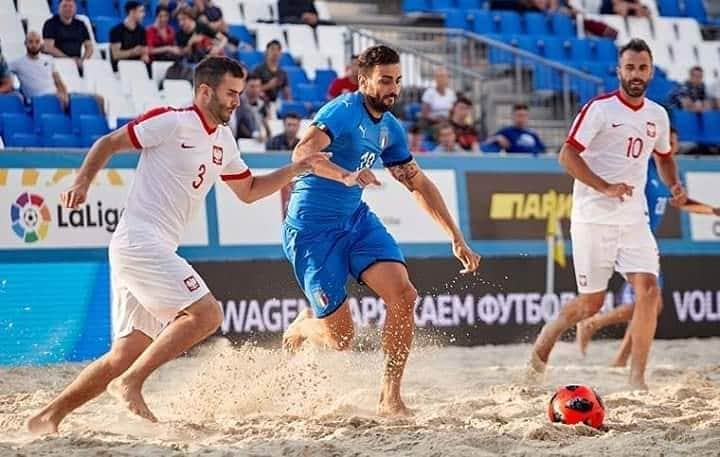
<point>634,147</point>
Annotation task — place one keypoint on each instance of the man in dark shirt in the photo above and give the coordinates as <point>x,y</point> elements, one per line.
<point>66,36</point>
<point>272,76</point>
<point>461,119</point>
<point>298,11</point>
<point>198,39</point>
<point>692,95</point>
<point>517,137</point>
<point>127,39</point>
<point>287,140</point>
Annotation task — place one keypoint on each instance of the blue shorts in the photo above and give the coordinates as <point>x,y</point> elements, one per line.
<point>323,257</point>
<point>627,293</point>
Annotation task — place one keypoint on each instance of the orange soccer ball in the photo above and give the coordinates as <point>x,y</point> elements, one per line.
<point>573,404</point>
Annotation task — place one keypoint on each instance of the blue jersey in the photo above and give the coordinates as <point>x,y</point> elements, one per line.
<point>357,140</point>
<point>657,195</point>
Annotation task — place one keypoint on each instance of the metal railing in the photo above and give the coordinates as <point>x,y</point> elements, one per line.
<point>492,73</point>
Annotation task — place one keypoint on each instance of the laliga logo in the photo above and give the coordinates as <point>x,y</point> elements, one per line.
<point>30,217</point>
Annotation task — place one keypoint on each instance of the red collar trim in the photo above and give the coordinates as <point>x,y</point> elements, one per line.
<point>625,102</point>
<point>206,125</point>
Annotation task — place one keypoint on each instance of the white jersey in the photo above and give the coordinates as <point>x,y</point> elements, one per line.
<point>181,159</point>
<point>617,140</point>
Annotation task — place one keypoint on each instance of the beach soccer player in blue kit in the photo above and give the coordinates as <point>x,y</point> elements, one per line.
<point>330,233</point>
<point>658,197</point>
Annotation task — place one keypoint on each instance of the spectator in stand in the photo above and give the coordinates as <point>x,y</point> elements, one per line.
<point>298,12</point>
<point>692,95</point>
<point>160,37</point>
<point>197,39</point>
<point>287,140</point>
<point>36,72</point>
<point>415,140</point>
<point>624,8</point>
<point>447,142</point>
<point>461,119</point>
<point>252,113</point>
<point>6,81</point>
<point>347,83</point>
<point>437,101</point>
<point>127,39</point>
<point>66,36</point>
<point>211,14</point>
<point>517,137</point>
<point>274,79</point>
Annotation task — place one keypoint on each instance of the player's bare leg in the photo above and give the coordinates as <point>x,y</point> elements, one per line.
<point>577,309</point>
<point>192,325</point>
<point>335,331</point>
<point>623,353</point>
<point>643,324</point>
<point>586,328</point>
<point>391,282</point>
<point>90,383</point>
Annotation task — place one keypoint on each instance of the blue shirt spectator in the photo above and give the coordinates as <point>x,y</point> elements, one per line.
<point>517,137</point>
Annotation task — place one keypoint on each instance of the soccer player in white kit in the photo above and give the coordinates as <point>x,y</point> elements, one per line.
<point>607,152</point>
<point>161,306</point>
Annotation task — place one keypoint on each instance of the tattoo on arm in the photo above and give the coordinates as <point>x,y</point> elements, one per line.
<point>405,173</point>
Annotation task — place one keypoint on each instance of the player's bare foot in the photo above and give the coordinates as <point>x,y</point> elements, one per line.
<point>535,371</point>
<point>584,332</point>
<point>637,383</point>
<point>392,406</point>
<point>42,424</point>
<point>293,338</point>
<point>131,398</point>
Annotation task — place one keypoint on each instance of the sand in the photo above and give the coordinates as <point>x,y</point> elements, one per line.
<point>250,401</point>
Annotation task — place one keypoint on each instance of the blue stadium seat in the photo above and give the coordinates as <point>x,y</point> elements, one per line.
<point>307,92</point>
<point>526,43</point>
<point>440,5</point>
<point>604,50</point>
<point>508,21</point>
<point>45,104</point>
<point>580,50</point>
<point>411,111</point>
<point>323,79</point>
<point>23,140</point>
<point>82,105</point>
<point>62,140</point>
<point>296,75</point>
<point>687,124</point>
<point>482,22</point>
<point>103,25</point>
<point>562,25</point>
<point>286,59</point>
<point>51,124</point>
<point>466,5</point>
<point>710,124</point>
<point>696,9</point>
<point>456,19</point>
<point>92,127</point>
<point>536,24</point>
<point>250,59</point>
<point>659,89</point>
<point>669,8</point>
<point>102,8</point>
<point>241,33</point>
<point>16,123</point>
<point>293,107</point>
<point>122,121</point>
<point>497,56</point>
<point>553,48</point>
<point>415,6</point>
<point>11,103</point>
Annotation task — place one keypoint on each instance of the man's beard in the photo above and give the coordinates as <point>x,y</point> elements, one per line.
<point>219,111</point>
<point>33,52</point>
<point>377,104</point>
<point>634,91</point>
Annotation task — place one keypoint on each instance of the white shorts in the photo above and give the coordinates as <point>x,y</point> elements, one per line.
<point>150,285</point>
<point>600,249</point>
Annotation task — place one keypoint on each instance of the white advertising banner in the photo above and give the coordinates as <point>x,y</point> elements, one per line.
<point>259,223</point>
<point>31,215</point>
<point>703,186</point>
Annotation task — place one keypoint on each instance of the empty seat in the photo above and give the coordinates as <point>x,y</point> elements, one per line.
<point>301,40</point>
<point>696,10</point>
<point>28,8</point>
<point>82,105</point>
<point>177,92</point>
<point>307,92</point>
<point>323,78</point>
<point>536,24</point>
<point>688,30</point>
<point>46,104</point>
<point>133,74</point>
<point>456,19</point>
<point>616,22</point>
<point>265,33</point>
<point>687,124</point>
<point>256,10</point>
<point>56,130</point>
<point>669,8</point>
<point>68,71</point>
<point>241,33</point>
<point>232,12</point>
<point>250,59</point>
<point>92,127</point>
<point>710,126</point>
<point>482,22</point>
<point>23,140</point>
<point>580,50</point>
<point>314,62</point>
<point>415,6</point>
<point>103,25</point>
<point>106,8</point>
<point>508,22</point>
<point>562,25</point>
<point>159,69</point>
<point>296,75</point>
<point>552,48</point>
<point>604,50</point>
<point>438,5</point>
<point>662,55</point>
<point>16,123</point>
<point>323,10</point>
<point>11,103</point>
<point>333,39</point>
<point>640,27</point>
<point>469,4</point>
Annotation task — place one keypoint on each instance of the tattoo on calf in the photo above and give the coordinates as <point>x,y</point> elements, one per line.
<point>405,173</point>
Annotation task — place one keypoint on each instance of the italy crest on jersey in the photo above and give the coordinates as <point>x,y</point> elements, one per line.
<point>384,137</point>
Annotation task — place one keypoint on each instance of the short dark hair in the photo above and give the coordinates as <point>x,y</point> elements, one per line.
<point>520,107</point>
<point>186,11</point>
<point>253,76</point>
<point>273,43</point>
<point>415,129</point>
<point>696,68</point>
<point>376,55</point>
<point>212,69</point>
<point>131,5</point>
<point>464,100</point>
<point>160,8</point>
<point>636,45</point>
<point>354,57</point>
<point>292,115</point>
<point>444,125</point>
